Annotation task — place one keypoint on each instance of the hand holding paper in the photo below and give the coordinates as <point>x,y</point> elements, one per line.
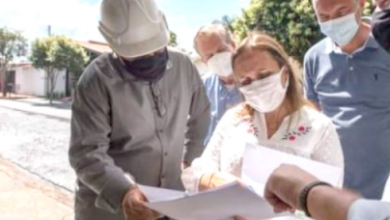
<point>214,180</point>
<point>134,206</point>
<point>283,189</point>
<point>236,199</point>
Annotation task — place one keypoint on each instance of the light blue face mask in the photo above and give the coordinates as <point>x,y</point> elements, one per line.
<point>341,30</point>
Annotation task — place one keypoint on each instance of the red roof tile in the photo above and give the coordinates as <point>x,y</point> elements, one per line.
<point>96,47</point>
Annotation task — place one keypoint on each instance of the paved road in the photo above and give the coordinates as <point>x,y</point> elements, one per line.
<point>38,144</point>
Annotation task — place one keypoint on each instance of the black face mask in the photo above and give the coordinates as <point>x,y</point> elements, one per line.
<point>150,69</point>
<point>381,28</point>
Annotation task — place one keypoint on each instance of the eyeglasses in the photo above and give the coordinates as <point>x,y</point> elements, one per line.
<point>160,106</point>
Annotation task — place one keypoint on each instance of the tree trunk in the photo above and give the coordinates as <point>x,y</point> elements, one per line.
<point>3,80</point>
<point>74,78</point>
<point>51,97</point>
<point>52,76</point>
<point>51,88</point>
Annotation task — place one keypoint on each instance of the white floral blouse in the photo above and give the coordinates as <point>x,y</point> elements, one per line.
<point>306,133</point>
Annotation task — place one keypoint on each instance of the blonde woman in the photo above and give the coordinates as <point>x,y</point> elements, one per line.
<point>275,115</point>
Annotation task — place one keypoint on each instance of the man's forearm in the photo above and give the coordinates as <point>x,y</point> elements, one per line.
<point>326,203</point>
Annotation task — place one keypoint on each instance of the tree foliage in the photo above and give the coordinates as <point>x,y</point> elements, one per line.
<point>12,43</point>
<point>55,54</point>
<point>173,41</point>
<point>293,23</point>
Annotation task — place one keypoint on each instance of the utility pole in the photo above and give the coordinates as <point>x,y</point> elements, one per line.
<point>49,30</point>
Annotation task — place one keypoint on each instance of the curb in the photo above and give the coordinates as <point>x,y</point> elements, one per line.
<point>61,118</point>
<point>58,194</point>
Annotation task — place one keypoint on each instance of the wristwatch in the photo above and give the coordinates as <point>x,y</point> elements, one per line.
<point>305,194</point>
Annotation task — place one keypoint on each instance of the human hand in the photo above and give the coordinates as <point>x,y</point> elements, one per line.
<point>134,206</point>
<point>284,187</point>
<point>214,180</point>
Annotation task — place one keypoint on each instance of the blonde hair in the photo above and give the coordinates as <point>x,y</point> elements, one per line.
<point>263,42</point>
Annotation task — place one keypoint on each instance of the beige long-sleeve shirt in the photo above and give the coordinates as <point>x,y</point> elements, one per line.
<point>116,130</point>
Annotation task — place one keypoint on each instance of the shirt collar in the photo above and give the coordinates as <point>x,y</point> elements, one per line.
<point>222,87</point>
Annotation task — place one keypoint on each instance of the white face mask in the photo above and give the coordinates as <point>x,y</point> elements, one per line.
<point>221,64</point>
<point>265,95</point>
<point>341,30</point>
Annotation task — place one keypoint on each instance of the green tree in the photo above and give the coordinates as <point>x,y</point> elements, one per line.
<point>173,42</point>
<point>12,44</point>
<point>293,23</point>
<point>55,54</point>
<point>370,7</point>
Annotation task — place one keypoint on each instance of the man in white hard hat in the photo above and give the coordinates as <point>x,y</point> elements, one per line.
<point>133,111</point>
<point>215,45</point>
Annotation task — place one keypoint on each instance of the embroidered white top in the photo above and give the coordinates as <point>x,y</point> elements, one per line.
<point>306,133</point>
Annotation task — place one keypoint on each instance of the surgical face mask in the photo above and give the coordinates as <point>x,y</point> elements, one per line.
<point>149,68</point>
<point>341,30</point>
<point>265,95</point>
<point>221,64</point>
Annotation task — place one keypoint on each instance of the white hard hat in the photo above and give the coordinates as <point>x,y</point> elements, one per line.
<point>133,28</point>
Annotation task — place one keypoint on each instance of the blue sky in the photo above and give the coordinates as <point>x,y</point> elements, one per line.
<point>78,18</point>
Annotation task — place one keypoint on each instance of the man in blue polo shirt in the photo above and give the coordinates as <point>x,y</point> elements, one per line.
<point>215,45</point>
<point>348,76</point>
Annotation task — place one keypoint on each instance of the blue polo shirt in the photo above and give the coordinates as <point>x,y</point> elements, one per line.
<point>354,91</point>
<point>221,99</point>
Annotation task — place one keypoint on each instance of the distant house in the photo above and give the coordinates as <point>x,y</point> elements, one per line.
<point>24,78</point>
<point>94,48</point>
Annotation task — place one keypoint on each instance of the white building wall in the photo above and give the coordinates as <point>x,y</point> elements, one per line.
<point>31,81</point>
<point>61,83</point>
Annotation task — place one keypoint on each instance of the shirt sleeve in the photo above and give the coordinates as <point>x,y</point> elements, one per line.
<point>309,82</point>
<point>90,142</point>
<point>209,162</point>
<point>369,210</point>
<point>199,117</point>
<point>328,150</point>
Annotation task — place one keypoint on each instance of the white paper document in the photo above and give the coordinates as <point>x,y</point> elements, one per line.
<point>218,204</point>
<point>235,199</point>
<point>386,194</point>
<point>260,162</point>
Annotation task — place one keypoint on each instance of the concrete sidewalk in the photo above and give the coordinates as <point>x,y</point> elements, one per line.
<point>25,197</point>
<point>60,110</point>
